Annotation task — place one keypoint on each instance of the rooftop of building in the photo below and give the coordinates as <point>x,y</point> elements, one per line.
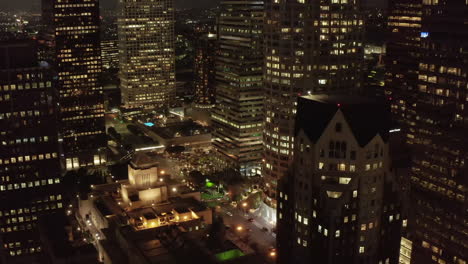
<point>367,117</point>
<point>180,129</point>
<point>143,161</point>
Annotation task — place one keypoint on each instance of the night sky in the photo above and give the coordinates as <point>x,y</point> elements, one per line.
<point>35,4</point>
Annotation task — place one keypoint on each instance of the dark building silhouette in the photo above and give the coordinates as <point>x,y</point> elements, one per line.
<point>427,62</point>
<point>29,152</point>
<point>339,202</point>
<point>205,71</point>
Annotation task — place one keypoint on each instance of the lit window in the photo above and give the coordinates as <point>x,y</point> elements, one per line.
<point>368,167</point>
<point>361,250</point>
<point>320,165</point>
<point>344,180</point>
<point>352,168</point>
<point>337,233</point>
<point>355,193</point>
<point>363,227</point>
<point>342,167</point>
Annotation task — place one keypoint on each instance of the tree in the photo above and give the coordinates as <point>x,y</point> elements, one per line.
<point>217,233</point>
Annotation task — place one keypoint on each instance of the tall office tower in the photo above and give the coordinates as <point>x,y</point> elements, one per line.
<point>339,202</point>
<point>310,47</point>
<point>205,71</point>
<point>431,104</point>
<point>147,52</point>
<point>78,63</point>
<point>29,161</point>
<point>110,54</point>
<point>238,114</point>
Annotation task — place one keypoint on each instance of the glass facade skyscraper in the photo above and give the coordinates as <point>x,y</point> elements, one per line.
<point>427,56</point>
<point>146,52</point>
<point>78,62</point>
<point>238,114</point>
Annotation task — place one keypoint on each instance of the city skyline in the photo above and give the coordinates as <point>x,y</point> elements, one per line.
<point>234,131</point>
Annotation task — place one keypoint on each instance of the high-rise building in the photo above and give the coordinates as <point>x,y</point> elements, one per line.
<point>238,114</point>
<point>310,47</point>
<point>205,71</point>
<point>427,80</point>
<point>339,202</point>
<point>147,52</point>
<point>78,64</point>
<point>29,160</point>
<point>110,53</point>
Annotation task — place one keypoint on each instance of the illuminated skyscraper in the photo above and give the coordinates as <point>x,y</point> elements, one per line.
<point>78,63</point>
<point>339,202</point>
<point>310,47</point>
<point>205,71</point>
<point>427,56</point>
<point>147,53</point>
<point>238,114</point>
<point>29,160</point>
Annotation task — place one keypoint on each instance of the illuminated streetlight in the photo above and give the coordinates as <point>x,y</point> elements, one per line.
<point>239,228</point>
<point>163,172</point>
<point>174,189</point>
<point>244,204</point>
<point>273,254</point>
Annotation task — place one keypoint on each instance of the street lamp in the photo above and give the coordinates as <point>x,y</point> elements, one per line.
<point>244,205</point>
<point>239,228</point>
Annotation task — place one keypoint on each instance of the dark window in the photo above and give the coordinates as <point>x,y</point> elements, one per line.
<point>353,155</point>
<point>338,127</point>
<point>322,153</point>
